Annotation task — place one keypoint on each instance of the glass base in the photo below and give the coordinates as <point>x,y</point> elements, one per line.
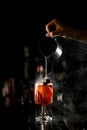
<point>44,118</point>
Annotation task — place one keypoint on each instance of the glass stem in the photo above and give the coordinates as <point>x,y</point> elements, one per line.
<point>43,111</point>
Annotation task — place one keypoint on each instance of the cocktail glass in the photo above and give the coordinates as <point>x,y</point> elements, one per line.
<point>43,97</point>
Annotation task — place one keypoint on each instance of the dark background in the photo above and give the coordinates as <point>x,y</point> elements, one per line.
<point>23,24</point>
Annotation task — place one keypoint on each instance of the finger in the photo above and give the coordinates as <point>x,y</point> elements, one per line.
<point>49,34</point>
<point>47,28</point>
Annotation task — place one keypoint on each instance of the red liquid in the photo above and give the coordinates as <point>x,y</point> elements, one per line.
<point>43,94</point>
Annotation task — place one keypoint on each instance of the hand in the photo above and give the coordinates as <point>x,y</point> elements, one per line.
<point>54,28</point>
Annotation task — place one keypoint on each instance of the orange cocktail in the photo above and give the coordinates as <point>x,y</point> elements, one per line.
<point>43,94</point>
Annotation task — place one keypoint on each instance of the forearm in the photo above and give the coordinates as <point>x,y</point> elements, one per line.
<point>78,35</point>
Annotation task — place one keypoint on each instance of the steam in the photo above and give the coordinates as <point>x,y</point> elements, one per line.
<point>70,85</point>
<point>69,77</point>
